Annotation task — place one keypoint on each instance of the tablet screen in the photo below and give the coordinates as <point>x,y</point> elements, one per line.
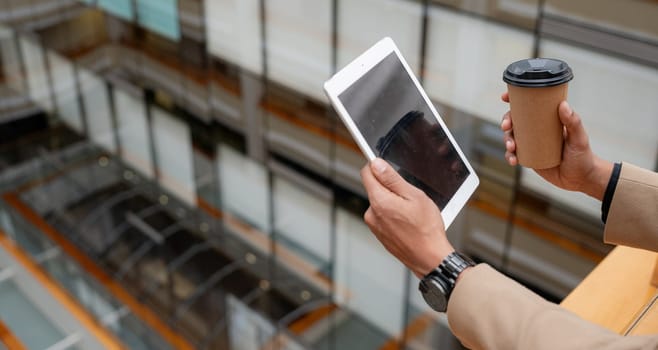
<point>399,127</point>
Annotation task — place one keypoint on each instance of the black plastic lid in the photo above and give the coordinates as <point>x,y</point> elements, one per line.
<point>537,72</point>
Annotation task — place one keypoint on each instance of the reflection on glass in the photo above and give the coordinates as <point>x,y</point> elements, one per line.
<point>233,29</point>
<point>298,44</point>
<point>160,16</point>
<point>368,275</point>
<point>465,59</point>
<point>528,251</point>
<point>362,23</point>
<point>35,68</point>
<point>133,131</point>
<point>399,126</point>
<point>412,143</point>
<point>244,188</point>
<point>97,109</point>
<point>303,221</point>
<point>173,149</point>
<point>66,92</point>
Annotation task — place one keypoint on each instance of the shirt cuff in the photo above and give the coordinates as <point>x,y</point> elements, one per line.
<point>610,191</point>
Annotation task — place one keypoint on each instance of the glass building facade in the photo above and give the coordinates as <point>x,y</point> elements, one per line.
<point>174,168</point>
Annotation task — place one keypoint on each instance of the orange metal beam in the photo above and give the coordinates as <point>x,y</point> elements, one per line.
<point>414,328</point>
<point>307,321</point>
<point>86,263</point>
<point>9,339</point>
<point>108,340</point>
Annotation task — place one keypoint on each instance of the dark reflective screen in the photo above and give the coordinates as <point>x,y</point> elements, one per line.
<point>400,128</point>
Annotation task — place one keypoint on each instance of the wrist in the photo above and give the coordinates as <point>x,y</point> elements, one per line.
<point>434,259</point>
<point>598,178</point>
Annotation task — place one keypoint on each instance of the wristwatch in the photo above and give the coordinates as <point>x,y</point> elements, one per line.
<point>437,285</point>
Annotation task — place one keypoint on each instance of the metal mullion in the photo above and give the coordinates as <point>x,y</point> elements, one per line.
<point>49,79</point>
<point>114,119</point>
<point>122,228</point>
<point>333,253</point>
<point>47,255</point>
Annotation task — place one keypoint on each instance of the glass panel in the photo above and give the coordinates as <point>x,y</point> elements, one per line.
<point>303,138</point>
<point>121,8</point>
<point>27,322</point>
<point>244,188</point>
<point>137,336</point>
<point>173,148</point>
<point>368,275</point>
<point>35,69</point>
<point>97,109</point>
<point>542,264</point>
<point>226,95</point>
<point>233,31</point>
<point>480,229</point>
<point>160,16</point>
<point>298,44</point>
<point>26,237</point>
<point>303,221</point>
<point>362,23</point>
<point>636,18</point>
<point>84,291</point>
<point>133,132</point>
<point>466,58</point>
<point>249,330</point>
<point>66,92</point>
<point>522,13</point>
<point>427,329</point>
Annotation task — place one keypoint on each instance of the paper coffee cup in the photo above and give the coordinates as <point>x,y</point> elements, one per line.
<point>536,87</point>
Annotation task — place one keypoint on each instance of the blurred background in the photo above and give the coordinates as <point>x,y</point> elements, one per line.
<point>172,175</point>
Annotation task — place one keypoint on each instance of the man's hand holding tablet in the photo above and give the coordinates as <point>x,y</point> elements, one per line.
<point>390,117</point>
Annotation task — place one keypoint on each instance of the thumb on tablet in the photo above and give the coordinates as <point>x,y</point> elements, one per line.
<point>390,178</point>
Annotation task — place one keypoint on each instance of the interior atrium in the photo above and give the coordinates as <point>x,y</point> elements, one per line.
<point>172,175</point>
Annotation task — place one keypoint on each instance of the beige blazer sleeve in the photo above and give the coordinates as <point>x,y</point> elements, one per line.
<point>487,310</point>
<point>633,215</point>
<point>490,311</point>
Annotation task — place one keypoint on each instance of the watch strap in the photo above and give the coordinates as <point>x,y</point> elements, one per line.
<point>444,276</point>
<point>452,266</point>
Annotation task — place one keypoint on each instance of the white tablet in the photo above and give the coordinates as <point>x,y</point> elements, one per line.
<point>390,116</point>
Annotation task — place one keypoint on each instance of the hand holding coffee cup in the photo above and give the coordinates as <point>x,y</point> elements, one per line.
<point>580,169</point>
<point>536,88</point>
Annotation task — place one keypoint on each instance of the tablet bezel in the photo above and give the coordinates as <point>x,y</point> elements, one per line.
<point>347,76</point>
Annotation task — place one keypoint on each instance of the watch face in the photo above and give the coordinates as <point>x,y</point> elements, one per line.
<point>434,294</point>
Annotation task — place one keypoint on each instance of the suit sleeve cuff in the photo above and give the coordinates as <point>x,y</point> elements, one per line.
<point>610,192</point>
